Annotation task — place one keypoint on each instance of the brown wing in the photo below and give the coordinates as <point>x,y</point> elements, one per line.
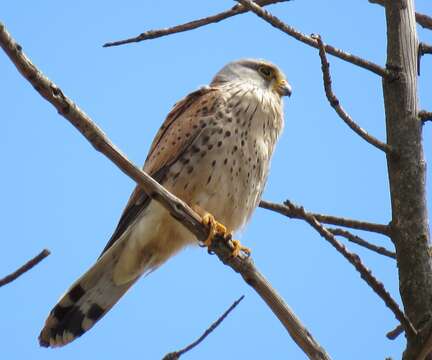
<point>180,128</point>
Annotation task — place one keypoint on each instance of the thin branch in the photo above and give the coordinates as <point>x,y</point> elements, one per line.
<point>176,354</point>
<point>424,20</point>
<point>335,104</point>
<point>359,241</point>
<point>222,247</point>
<point>425,48</point>
<point>277,23</point>
<point>153,34</point>
<point>365,273</point>
<point>425,115</point>
<point>421,19</point>
<point>393,334</point>
<point>26,267</point>
<point>290,210</point>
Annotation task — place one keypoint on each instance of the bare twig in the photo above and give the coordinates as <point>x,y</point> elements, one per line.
<point>393,334</point>
<point>223,248</point>
<point>335,104</point>
<point>424,20</point>
<point>277,23</point>
<point>425,115</point>
<point>359,241</point>
<point>26,267</point>
<point>421,19</point>
<point>176,354</point>
<point>365,273</point>
<point>153,34</point>
<point>291,211</point>
<point>425,48</point>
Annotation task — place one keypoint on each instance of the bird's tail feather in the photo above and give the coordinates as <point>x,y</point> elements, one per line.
<point>86,302</point>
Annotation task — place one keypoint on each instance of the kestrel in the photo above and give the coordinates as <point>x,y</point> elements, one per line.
<point>213,151</point>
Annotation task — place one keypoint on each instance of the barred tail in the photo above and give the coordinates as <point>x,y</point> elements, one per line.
<point>86,302</point>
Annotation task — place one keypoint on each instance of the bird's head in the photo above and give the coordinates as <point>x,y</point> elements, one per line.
<point>261,73</point>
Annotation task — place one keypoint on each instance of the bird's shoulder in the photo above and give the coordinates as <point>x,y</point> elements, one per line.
<point>181,126</point>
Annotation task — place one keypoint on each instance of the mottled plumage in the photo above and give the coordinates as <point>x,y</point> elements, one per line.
<point>213,151</point>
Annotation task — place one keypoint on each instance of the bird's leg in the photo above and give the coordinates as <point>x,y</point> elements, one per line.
<point>216,228</point>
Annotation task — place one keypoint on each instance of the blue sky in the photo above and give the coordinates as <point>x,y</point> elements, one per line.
<point>58,193</point>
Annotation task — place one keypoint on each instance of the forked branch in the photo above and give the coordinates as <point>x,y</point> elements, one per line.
<point>361,242</point>
<point>274,21</point>
<point>153,34</point>
<point>177,208</point>
<point>335,104</point>
<point>308,40</point>
<point>291,210</point>
<point>365,273</point>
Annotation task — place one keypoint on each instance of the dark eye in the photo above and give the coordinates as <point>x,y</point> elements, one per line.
<point>265,71</point>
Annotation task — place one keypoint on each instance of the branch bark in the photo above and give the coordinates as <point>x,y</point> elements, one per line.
<point>177,208</point>
<point>407,171</point>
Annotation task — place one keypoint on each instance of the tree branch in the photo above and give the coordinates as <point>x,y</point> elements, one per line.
<point>335,104</point>
<point>359,241</point>
<point>26,267</point>
<point>291,210</point>
<point>153,34</point>
<point>425,49</point>
<point>176,354</point>
<point>277,23</point>
<point>407,171</point>
<point>425,115</point>
<point>365,273</point>
<point>393,334</point>
<point>178,209</point>
<point>422,19</point>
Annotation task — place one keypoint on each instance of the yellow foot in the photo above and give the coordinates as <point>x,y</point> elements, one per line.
<point>216,228</point>
<point>238,248</point>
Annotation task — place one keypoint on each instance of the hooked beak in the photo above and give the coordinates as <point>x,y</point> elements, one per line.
<point>283,88</point>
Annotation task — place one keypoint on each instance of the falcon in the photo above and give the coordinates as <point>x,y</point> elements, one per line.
<point>213,151</point>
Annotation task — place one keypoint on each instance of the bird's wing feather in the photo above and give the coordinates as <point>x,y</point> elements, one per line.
<point>180,128</point>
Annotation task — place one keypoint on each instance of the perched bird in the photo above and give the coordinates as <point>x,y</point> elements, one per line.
<point>213,151</point>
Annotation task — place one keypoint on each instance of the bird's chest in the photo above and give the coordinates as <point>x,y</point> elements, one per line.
<point>225,170</point>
